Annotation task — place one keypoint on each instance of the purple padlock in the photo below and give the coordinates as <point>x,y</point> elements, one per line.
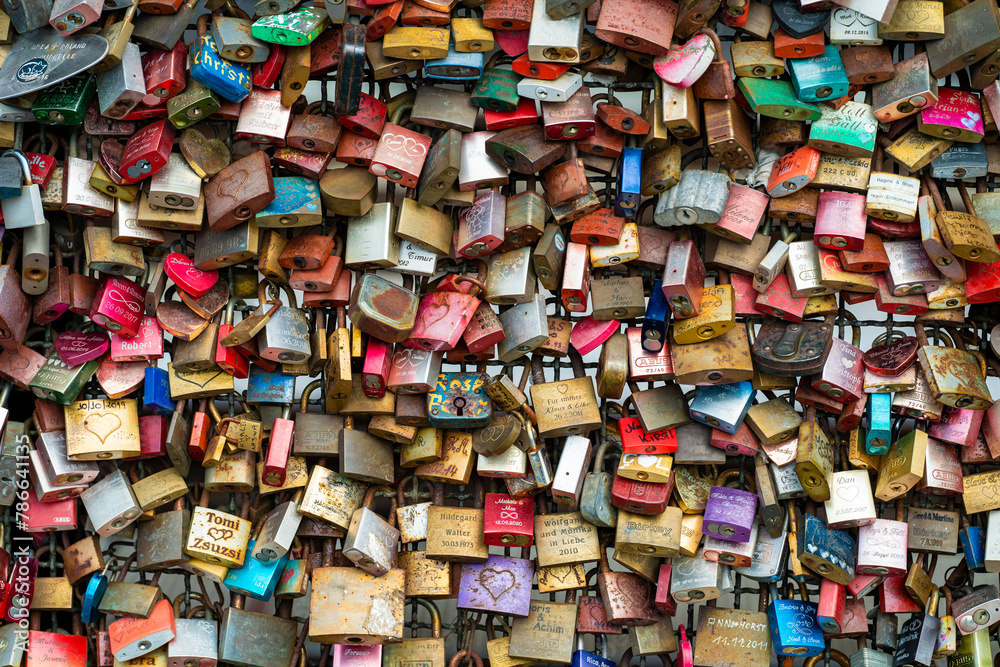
<point>348,655</point>
<point>729,514</point>
<point>501,585</point>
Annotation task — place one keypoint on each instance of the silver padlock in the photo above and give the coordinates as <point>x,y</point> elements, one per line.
<point>802,268</point>
<point>35,259</point>
<point>371,239</point>
<point>371,540</point>
<point>175,185</point>
<point>25,210</point>
<point>27,15</point>
<point>851,27</point>
<point>574,464</point>
<point>768,556</point>
<point>554,40</point>
<point>415,260</point>
<point>992,547</point>
<point>511,278</point>
<point>731,553</point>
<point>110,504</point>
<point>911,270</point>
<point>79,196</point>
<point>512,463</point>
<point>526,326</point>
<point>125,227</point>
<point>46,491</point>
<point>478,170</point>
<point>286,337</point>
<point>68,16</point>
<point>556,90</point>
<point>277,531</point>
<point>961,160</point>
<point>413,371</point>
<point>695,579</point>
<point>786,482</point>
<point>121,88</point>
<point>59,469</point>
<point>772,264</point>
<point>12,114</point>
<point>698,199</point>
<point>196,643</point>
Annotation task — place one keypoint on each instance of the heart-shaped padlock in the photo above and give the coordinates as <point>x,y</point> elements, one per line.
<point>190,279</point>
<point>683,65</point>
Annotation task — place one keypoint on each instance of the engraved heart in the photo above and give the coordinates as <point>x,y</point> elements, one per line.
<point>433,308</point>
<point>217,533</point>
<point>634,592</point>
<point>187,276</point>
<point>846,363</point>
<point>186,377</point>
<point>231,184</point>
<point>562,388</point>
<point>18,363</point>
<point>102,425</point>
<point>77,347</point>
<point>496,581</point>
<point>560,572</point>
<point>118,378</point>
<point>848,493</point>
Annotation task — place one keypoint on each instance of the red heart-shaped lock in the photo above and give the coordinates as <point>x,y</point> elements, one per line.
<point>187,277</point>
<point>77,347</point>
<point>683,65</point>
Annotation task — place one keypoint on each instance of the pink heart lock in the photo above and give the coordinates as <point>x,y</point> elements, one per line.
<point>191,280</point>
<point>76,347</point>
<point>683,65</point>
<point>512,42</point>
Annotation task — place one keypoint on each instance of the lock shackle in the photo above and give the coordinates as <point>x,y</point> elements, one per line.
<point>401,493</point>
<point>945,591</point>
<point>727,476</point>
<point>963,192</point>
<point>697,154</point>
<point>23,160</point>
<point>435,613</point>
<point>179,600</point>
<point>476,284</point>
<point>491,633</point>
<point>537,370</point>
<point>716,42</point>
<point>835,655</point>
<point>855,329</point>
<point>457,659</point>
<point>602,561</point>
<point>202,26</point>
<point>309,389</point>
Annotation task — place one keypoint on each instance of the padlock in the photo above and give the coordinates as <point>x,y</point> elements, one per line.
<point>698,198</point>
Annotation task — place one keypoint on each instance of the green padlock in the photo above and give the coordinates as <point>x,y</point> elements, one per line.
<point>776,99</point>
<point>496,89</point>
<point>60,383</point>
<point>193,104</point>
<point>66,102</point>
<point>296,28</point>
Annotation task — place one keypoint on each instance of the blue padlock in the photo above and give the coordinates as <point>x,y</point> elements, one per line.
<point>973,541</point>
<point>794,630</point>
<point>156,392</point>
<point>255,579</point>
<point>654,324</point>
<point>296,199</point>
<point>629,182</point>
<point>819,78</point>
<point>97,585</point>
<point>456,66</point>
<point>264,387</point>
<point>879,437</point>
<point>227,79</point>
<point>584,658</point>
<point>459,400</point>
<point>722,406</point>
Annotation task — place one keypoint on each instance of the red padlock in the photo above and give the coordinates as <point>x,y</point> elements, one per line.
<point>400,154</point>
<point>147,151</point>
<point>165,73</point>
<point>278,450</point>
<point>118,306</point>
<point>375,371</point>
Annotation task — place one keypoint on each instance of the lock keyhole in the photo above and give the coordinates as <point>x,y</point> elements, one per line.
<point>459,404</point>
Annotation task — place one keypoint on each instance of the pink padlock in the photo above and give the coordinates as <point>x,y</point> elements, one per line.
<point>481,227</point>
<point>682,65</point>
<point>743,442</point>
<point>840,221</point>
<point>957,426</point>
<point>118,306</point>
<point>742,214</point>
<point>484,330</point>
<point>442,317</point>
<point>589,334</point>
<point>375,371</point>
<point>76,347</point>
<point>192,280</point>
<point>144,346</point>
<point>957,116</point>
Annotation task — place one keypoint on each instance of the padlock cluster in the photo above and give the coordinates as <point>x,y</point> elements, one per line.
<point>540,309</point>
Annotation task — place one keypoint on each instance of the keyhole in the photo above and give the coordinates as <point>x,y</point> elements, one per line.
<point>459,405</point>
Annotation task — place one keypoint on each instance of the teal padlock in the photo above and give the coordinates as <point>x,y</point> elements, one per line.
<point>296,28</point>
<point>775,98</point>
<point>819,78</point>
